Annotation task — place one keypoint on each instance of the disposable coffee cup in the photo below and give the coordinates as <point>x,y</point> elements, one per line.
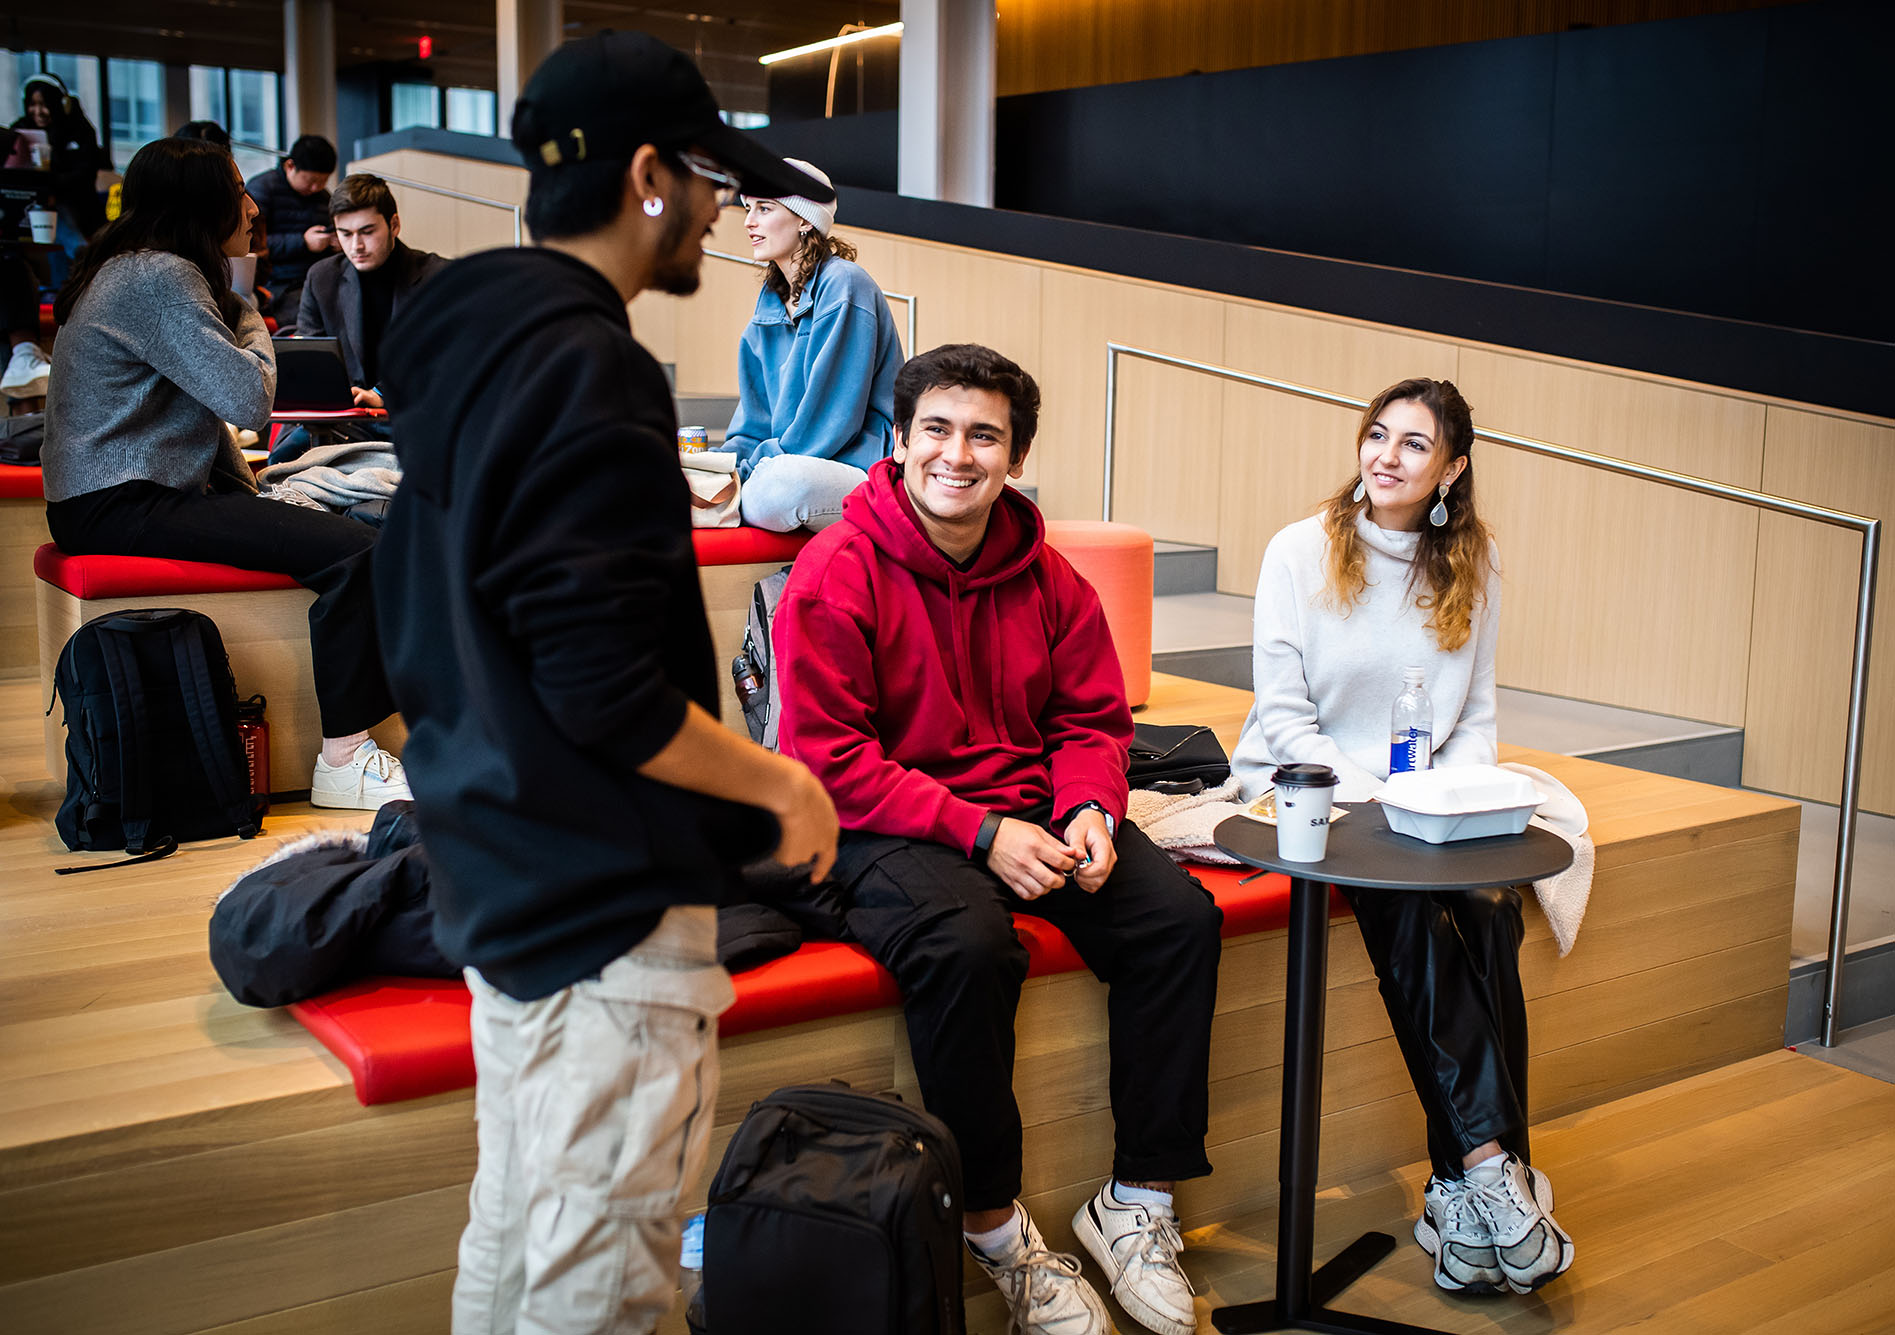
<point>1303,795</point>
<point>45,225</point>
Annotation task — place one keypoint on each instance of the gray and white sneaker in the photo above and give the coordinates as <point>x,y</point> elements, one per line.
<point>1533,1250</point>
<point>25,376</point>
<point>1458,1239</point>
<point>1046,1294</point>
<point>371,777</point>
<point>1137,1247</point>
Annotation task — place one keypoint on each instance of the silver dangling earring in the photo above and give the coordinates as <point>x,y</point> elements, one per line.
<point>654,206</point>
<point>1439,515</point>
<point>1361,490</point>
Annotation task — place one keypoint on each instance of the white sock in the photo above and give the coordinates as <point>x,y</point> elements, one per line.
<point>1140,1195</point>
<point>1497,1158</point>
<point>998,1244</point>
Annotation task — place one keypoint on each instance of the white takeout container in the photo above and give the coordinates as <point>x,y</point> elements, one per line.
<point>1459,802</point>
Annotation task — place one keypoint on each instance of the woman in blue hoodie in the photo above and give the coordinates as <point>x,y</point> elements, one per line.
<point>816,372</point>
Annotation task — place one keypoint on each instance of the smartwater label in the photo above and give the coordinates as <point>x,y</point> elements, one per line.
<point>1409,750</point>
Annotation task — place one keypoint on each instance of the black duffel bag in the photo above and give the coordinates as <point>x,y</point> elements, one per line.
<point>1183,758</point>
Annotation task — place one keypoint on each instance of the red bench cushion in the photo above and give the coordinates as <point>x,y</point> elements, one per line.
<point>21,482</point>
<point>404,1038</point>
<point>745,546</point>
<point>93,577</point>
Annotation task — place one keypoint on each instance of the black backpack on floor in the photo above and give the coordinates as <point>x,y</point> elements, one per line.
<point>153,756</point>
<point>835,1211</point>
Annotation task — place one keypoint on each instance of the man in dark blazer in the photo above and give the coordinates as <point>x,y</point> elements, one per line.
<point>353,295</point>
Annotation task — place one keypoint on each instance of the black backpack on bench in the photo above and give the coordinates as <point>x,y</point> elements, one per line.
<point>153,756</point>
<point>834,1211</point>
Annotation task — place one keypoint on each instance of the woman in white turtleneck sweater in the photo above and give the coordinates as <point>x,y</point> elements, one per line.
<point>1397,570</point>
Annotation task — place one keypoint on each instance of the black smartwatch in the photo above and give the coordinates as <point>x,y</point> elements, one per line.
<point>1111,826</point>
<point>984,841</point>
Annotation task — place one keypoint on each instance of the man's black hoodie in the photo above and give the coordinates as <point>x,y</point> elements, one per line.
<point>541,621</point>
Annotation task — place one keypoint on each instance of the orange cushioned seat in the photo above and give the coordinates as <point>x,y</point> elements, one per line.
<point>404,1038</point>
<point>1116,559</point>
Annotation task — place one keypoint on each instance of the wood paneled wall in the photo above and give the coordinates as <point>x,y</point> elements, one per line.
<point>1615,591</point>
<point>1049,44</point>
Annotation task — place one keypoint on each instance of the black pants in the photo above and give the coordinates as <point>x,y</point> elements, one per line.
<point>323,552</point>
<point>19,295</point>
<point>1448,966</point>
<point>943,926</point>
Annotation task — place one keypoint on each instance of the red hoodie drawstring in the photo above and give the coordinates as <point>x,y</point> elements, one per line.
<point>958,616</point>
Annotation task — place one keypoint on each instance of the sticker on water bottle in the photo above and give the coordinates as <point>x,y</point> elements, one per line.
<point>1406,751</point>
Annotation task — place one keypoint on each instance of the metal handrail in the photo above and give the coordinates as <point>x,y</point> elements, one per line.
<point>1870,529</point>
<point>891,296</point>
<point>519,234</point>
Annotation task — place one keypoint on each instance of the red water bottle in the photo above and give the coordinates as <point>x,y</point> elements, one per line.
<point>254,729</point>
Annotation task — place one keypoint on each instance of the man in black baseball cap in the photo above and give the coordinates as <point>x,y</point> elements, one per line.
<point>543,630</point>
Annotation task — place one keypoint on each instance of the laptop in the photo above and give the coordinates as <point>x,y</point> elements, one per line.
<point>310,376</point>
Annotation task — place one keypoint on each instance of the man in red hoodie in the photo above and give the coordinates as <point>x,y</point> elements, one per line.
<point>951,680</point>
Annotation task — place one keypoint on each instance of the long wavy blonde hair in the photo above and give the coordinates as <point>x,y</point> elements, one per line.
<point>1452,563</point>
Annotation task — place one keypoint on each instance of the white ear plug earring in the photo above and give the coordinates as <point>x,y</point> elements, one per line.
<point>654,206</point>
<point>1439,515</point>
<point>1361,490</point>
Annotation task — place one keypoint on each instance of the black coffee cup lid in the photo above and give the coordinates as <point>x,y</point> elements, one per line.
<point>1304,776</point>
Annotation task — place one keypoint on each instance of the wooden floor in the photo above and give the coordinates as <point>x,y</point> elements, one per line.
<point>1753,1194</point>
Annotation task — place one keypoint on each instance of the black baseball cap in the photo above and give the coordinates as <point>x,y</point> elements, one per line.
<point>600,97</point>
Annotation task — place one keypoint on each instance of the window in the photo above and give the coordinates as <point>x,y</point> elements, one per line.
<point>470,110</point>
<point>414,104</point>
<point>208,100</point>
<point>136,116</point>
<point>255,120</point>
<point>15,68</point>
<point>746,120</point>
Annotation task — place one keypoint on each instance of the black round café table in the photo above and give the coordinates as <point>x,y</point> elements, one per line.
<point>1363,852</point>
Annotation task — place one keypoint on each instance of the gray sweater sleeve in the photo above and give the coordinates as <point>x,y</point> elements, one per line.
<point>230,371</point>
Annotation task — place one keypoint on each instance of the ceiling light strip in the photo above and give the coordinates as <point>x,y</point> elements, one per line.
<point>886,30</point>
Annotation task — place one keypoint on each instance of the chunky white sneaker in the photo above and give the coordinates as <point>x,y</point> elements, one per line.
<point>1137,1246</point>
<point>1506,1194</point>
<point>25,376</point>
<point>1458,1240</point>
<point>371,778</point>
<point>1045,1292</point>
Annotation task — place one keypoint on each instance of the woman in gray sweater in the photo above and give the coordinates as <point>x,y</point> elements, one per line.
<point>155,355</point>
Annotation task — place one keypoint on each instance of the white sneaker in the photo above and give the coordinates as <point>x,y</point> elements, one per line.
<point>26,371</point>
<point>1137,1246</point>
<point>1458,1240</point>
<point>1532,1249</point>
<point>371,778</point>
<point>1045,1292</point>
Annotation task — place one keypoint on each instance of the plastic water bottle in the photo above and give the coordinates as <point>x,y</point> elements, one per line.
<point>1411,726</point>
<point>691,1268</point>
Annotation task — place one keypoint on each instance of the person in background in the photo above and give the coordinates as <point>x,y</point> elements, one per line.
<point>1397,570</point>
<point>27,365</point>
<point>294,201</point>
<point>546,637</point>
<point>155,355</point>
<point>816,369</point>
<point>351,296</point>
<point>951,680</point>
<point>48,106</point>
<point>209,131</point>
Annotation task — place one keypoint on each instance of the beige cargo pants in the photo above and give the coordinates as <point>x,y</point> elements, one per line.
<point>594,1108</point>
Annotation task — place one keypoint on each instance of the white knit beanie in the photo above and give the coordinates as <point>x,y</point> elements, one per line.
<point>820,216</point>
